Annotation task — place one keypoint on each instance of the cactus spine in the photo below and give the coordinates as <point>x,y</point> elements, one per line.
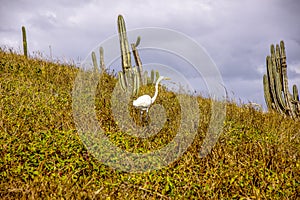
<point>277,95</point>
<point>24,41</point>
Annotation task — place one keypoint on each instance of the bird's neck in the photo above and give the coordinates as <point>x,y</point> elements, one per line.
<point>156,92</point>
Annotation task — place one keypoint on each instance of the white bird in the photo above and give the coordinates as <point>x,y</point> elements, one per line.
<point>145,101</point>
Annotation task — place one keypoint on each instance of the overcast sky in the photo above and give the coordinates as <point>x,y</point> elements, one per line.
<point>235,33</point>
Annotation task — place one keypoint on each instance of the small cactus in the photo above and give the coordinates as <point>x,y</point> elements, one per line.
<point>24,41</point>
<point>145,78</point>
<point>152,76</point>
<point>94,60</point>
<point>157,75</point>
<point>102,64</point>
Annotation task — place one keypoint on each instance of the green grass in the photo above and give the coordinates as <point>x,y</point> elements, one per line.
<point>42,156</point>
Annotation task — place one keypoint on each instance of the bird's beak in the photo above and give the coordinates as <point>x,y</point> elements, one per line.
<point>167,78</point>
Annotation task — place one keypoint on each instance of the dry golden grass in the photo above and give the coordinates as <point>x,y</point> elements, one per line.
<point>42,156</point>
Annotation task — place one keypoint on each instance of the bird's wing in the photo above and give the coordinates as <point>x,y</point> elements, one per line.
<point>142,101</point>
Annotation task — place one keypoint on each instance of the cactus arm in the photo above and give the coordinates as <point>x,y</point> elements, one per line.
<point>277,73</point>
<point>295,93</point>
<point>136,84</point>
<point>287,95</point>
<point>129,78</point>
<point>296,100</point>
<point>271,77</point>
<point>137,59</point>
<point>278,77</point>
<point>267,93</point>
<point>138,40</point>
<point>122,81</point>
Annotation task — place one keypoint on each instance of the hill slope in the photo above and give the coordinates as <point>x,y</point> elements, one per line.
<point>42,156</point>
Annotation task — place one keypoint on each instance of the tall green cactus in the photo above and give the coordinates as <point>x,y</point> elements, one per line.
<point>130,77</point>
<point>24,41</point>
<point>277,95</point>
<point>124,46</point>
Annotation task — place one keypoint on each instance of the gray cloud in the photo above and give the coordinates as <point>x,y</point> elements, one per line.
<point>236,34</point>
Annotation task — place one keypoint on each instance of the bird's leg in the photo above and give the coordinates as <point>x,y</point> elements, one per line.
<point>147,115</point>
<point>141,115</point>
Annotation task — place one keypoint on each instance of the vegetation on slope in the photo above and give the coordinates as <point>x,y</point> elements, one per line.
<point>42,156</point>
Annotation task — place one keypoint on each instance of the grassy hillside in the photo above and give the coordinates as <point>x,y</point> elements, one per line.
<point>42,156</point>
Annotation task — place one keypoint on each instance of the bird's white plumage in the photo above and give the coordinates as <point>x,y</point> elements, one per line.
<point>144,102</point>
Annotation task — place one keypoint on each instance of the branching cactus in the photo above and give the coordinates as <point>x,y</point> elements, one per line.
<point>277,95</point>
<point>126,77</point>
<point>153,78</point>
<point>130,78</point>
<point>24,41</point>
